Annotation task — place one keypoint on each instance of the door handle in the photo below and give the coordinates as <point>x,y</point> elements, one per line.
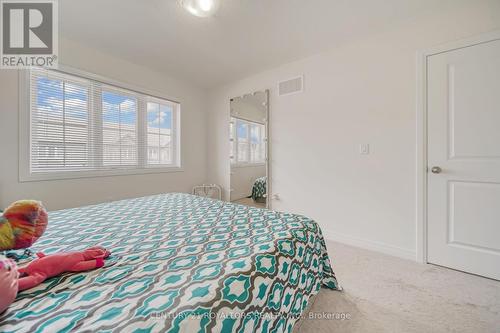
<point>436,169</point>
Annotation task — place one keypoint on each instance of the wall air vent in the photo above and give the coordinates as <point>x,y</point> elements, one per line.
<point>291,86</point>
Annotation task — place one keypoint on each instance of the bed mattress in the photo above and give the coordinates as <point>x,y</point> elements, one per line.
<point>182,263</point>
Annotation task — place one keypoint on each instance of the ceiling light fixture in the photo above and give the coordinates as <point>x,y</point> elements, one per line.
<point>200,8</point>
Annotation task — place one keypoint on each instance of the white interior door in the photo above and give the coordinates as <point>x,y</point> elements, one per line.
<point>463,103</point>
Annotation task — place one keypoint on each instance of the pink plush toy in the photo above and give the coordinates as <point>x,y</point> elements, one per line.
<point>8,282</point>
<point>48,266</point>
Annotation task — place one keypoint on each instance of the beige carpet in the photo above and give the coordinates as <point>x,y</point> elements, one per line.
<point>388,294</point>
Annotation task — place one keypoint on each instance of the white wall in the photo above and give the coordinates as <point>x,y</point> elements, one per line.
<point>77,192</point>
<point>363,92</point>
<point>242,179</point>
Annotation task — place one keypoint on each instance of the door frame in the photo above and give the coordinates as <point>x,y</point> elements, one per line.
<point>422,135</point>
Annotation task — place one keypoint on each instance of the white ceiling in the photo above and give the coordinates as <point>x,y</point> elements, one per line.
<point>245,36</point>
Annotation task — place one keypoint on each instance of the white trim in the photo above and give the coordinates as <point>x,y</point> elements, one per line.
<point>372,245</point>
<point>97,173</point>
<point>269,200</point>
<point>421,177</point>
<point>177,142</point>
<point>24,125</point>
<point>248,165</point>
<point>421,106</point>
<point>25,174</point>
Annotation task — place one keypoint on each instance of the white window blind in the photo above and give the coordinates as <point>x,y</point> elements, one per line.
<point>60,123</point>
<point>247,142</point>
<point>79,124</point>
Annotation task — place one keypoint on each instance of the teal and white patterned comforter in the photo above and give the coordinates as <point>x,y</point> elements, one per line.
<point>259,188</point>
<point>185,264</point>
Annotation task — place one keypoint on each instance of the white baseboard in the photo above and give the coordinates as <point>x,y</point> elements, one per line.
<point>373,246</point>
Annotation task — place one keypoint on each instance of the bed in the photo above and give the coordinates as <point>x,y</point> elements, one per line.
<point>182,263</point>
<point>259,189</point>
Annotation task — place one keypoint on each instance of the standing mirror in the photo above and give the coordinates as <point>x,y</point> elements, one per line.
<point>248,133</point>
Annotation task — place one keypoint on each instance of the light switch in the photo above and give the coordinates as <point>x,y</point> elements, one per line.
<point>364,149</point>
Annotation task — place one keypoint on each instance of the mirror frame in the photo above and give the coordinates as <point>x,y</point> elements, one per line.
<point>267,147</point>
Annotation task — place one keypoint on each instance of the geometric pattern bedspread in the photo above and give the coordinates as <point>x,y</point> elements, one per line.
<point>182,264</point>
<point>259,188</point>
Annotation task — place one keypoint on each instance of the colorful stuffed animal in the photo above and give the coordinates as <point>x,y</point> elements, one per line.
<point>8,282</point>
<point>21,224</point>
<point>47,266</point>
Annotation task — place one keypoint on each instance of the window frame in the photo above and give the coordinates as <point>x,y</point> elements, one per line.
<point>175,138</point>
<point>142,95</point>
<point>106,88</point>
<point>234,137</point>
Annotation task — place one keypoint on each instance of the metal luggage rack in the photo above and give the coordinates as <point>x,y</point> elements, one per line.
<point>213,191</point>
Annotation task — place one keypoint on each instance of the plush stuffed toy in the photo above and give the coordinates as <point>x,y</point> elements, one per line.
<point>8,282</point>
<point>47,266</point>
<point>21,224</point>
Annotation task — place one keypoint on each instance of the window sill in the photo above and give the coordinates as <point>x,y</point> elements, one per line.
<point>247,165</point>
<point>33,177</point>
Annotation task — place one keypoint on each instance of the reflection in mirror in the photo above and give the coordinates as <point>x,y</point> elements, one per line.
<point>248,130</point>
